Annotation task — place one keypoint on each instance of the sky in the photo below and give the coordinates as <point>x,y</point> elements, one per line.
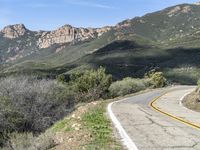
<point>51,14</point>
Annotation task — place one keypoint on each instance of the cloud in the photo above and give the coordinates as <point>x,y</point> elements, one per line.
<point>40,5</point>
<point>11,1</point>
<point>88,4</point>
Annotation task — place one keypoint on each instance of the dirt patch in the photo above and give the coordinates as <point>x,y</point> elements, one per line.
<point>192,101</point>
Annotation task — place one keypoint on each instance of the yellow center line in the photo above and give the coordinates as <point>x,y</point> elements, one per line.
<point>152,105</point>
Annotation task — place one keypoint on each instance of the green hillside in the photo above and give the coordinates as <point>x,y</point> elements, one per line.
<point>166,40</point>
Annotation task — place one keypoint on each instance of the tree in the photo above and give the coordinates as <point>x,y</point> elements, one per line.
<point>157,78</point>
<point>92,83</point>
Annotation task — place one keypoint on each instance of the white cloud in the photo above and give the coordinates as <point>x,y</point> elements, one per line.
<point>42,5</point>
<point>88,4</point>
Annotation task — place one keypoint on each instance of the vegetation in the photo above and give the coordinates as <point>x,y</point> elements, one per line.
<point>192,101</point>
<point>157,78</point>
<point>30,105</point>
<point>170,43</point>
<point>91,85</point>
<point>98,124</point>
<point>27,141</point>
<point>128,86</point>
<point>198,86</point>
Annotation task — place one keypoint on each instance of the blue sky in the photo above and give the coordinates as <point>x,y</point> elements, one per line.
<point>51,14</point>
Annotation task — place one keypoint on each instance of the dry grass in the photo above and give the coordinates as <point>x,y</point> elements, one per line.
<point>192,101</point>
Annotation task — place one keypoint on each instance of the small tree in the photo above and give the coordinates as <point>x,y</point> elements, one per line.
<point>92,84</point>
<point>157,78</point>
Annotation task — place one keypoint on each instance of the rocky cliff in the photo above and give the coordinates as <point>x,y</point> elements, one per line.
<point>16,41</point>
<point>67,34</point>
<point>14,31</point>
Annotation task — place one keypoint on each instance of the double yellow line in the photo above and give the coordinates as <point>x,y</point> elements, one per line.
<point>152,105</point>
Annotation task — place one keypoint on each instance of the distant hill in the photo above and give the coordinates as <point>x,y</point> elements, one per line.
<point>167,40</point>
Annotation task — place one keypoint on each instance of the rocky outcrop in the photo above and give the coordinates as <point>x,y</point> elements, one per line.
<point>13,31</point>
<point>197,3</point>
<point>179,9</point>
<point>67,34</point>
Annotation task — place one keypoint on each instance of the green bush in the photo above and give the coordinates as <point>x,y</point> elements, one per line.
<point>128,85</point>
<point>91,85</point>
<point>61,78</point>
<point>157,79</point>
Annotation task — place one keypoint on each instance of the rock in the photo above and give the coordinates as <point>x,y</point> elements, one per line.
<point>174,10</point>
<point>186,9</point>
<point>68,34</point>
<point>14,31</point>
<point>197,3</point>
<point>178,9</point>
<point>73,116</point>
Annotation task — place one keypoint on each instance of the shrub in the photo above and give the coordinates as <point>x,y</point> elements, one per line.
<point>127,86</point>
<point>30,105</point>
<point>157,79</point>
<point>27,141</point>
<point>92,84</point>
<point>61,78</point>
<point>10,118</point>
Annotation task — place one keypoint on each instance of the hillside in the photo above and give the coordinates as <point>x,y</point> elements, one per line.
<point>166,40</point>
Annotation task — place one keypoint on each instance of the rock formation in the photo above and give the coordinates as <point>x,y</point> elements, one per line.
<point>67,34</point>
<point>14,31</point>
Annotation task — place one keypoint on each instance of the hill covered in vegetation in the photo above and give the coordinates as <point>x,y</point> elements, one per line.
<point>167,40</point>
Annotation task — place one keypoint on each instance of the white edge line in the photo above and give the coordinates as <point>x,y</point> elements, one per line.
<point>182,98</point>
<point>124,136</point>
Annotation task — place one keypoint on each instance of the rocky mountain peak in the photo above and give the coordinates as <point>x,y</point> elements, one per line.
<point>67,34</point>
<point>180,9</point>
<point>197,3</point>
<point>14,31</point>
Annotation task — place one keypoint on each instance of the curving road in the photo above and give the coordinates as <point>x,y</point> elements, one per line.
<point>152,130</point>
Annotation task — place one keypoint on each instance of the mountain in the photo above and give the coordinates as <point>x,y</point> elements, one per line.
<point>18,42</point>
<point>167,40</point>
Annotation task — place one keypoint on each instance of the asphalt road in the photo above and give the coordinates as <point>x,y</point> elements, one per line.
<point>151,130</point>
